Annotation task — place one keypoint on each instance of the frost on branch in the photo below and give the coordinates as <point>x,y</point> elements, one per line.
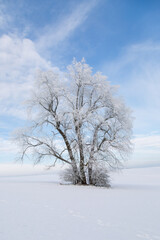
<point>78,119</point>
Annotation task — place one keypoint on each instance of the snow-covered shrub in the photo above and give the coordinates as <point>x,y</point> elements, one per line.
<point>100,175</point>
<point>69,176</point>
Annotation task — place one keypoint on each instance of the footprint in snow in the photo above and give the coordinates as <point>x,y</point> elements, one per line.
<point>148,236</point>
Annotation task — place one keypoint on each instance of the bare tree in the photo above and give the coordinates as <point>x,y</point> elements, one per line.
<point>79,120</point>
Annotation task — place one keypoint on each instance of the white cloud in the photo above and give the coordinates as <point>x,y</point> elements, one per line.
<point>17,55</point>
<point>147,142</point>
<point>18,63</point>
<point>58,32</point>
<point>146,151</point>
<point>7,146</point>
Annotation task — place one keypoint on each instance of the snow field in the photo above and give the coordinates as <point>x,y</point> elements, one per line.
<point>37,207</point>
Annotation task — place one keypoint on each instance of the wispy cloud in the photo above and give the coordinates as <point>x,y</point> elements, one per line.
<point>5,18</point>
<point>58,32</point>
<point>137,71</point>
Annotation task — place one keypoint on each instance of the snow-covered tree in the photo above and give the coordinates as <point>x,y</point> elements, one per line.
<point>79,120</point>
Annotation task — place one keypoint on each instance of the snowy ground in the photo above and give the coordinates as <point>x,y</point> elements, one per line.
<point>34,206</point>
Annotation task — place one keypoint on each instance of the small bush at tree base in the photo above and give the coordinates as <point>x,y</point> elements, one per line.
<point>99,176</point>
<point>69,176</point>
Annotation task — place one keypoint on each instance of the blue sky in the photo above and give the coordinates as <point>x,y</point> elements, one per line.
<point>120,38</point>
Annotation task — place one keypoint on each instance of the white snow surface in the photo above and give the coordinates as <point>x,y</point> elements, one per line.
<point>34,205</point>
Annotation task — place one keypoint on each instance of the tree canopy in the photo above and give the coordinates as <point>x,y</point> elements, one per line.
<point>78,119</point>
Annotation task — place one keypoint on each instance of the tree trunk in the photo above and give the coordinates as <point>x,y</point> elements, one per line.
<point>76,173</point>
<point>81,153</point>
<point>90,174</point>
<point>82,173</point>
